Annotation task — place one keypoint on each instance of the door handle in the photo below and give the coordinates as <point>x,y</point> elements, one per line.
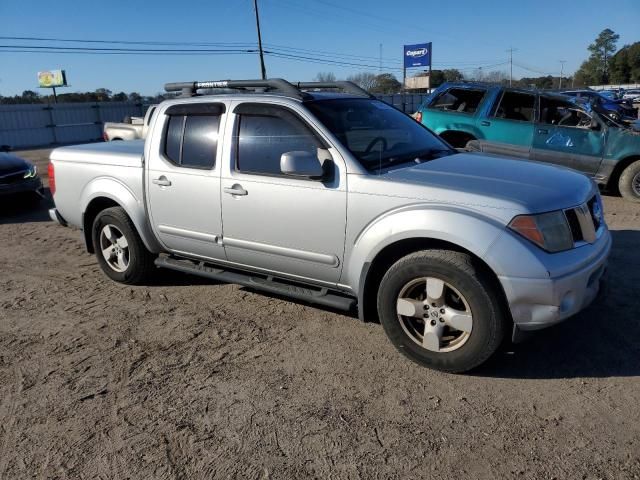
<point>162,181</point>
<point>236,189</point>
<point>485,123</point>
<point>543,131</point>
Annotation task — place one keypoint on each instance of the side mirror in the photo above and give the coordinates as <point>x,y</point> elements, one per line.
<point>595,125</point>
<point>5,148</point>
<point>300,163</point>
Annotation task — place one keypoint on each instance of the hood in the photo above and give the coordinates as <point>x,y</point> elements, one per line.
<point>498,183</point>
<point>12,164</point>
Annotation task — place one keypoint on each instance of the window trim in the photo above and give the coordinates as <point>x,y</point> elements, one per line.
<point>478,89</point>
<point>185,110</point>
<point>236,140</point>
<point>496,105</point>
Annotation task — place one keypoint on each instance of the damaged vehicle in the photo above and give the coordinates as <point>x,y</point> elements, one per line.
<point>616,109</point>
<point>541,126</point>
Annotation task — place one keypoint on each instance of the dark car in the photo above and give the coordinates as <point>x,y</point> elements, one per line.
<point>617,110</point>
<point>18,176</point>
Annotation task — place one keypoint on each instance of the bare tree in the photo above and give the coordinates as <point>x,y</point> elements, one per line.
<point>325,77</point>
<point>366,80</point>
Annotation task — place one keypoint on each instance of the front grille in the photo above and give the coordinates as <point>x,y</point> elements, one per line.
<point>574,225</point>
<point>12,177</point>
<point>585,221</point>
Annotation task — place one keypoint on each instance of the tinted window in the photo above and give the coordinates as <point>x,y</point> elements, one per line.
<point>200,141</point>
<point>191,140</point>
<point>173,138</point>
<point>377,134</point>
<point>458,100</point>
<point>267,133</point>
<point>516,106</point>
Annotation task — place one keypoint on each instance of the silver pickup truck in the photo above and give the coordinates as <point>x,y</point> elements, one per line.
<point>339,199</point>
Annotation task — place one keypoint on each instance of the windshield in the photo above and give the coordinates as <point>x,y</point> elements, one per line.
<point>377,134</point>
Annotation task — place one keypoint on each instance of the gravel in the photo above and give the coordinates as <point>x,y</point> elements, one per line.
<point>186,378</point>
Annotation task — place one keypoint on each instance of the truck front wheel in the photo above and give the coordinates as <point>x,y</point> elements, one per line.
<point>119,249</point>
<point>441,311</point>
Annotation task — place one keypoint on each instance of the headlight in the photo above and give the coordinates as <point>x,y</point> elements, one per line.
<point>549,231</point>
<point>31,173</point>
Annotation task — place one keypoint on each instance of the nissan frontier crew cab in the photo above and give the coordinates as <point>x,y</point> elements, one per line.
<point>339,199</point>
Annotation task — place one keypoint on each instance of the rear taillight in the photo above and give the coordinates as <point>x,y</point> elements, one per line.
<point>419,116</point>
<point>52,179</point>
<point>105,137</point>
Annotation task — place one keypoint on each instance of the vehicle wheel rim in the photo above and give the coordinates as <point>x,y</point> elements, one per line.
<point>635,184</point>
<point>434,314</point>
<point>114,247</point>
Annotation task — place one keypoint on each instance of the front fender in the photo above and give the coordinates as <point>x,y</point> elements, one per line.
<point>114,189</point>
<point>468,229</point>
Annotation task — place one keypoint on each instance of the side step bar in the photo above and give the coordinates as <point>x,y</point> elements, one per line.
<point>267,283</point>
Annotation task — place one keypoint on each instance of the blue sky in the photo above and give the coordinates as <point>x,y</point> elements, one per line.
<point>465,34</point>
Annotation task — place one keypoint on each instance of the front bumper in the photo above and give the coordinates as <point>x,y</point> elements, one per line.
<point>29,185</point>
<point>539,303</point>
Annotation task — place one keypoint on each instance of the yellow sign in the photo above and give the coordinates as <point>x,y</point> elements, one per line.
<point>52,78</point>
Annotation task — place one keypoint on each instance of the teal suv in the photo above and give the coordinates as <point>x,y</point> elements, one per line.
<point>533,125</point>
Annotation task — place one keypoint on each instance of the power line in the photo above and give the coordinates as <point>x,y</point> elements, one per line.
<point>388,63</point>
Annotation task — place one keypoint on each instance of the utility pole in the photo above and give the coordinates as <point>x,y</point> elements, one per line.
<point>380,66</point>
<point>511,50</point>
<point>263,70</point>
<point>562,62</point>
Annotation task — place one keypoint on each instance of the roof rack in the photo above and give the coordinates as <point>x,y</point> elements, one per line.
<point>348,87</point>
<point>294,90</point>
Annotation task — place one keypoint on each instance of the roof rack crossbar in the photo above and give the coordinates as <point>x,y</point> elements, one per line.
<point>189,88</point>
<point>347,86</point>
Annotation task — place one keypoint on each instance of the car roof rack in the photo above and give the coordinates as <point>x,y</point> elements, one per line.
<point>346,86</point>
<point>295,90</point>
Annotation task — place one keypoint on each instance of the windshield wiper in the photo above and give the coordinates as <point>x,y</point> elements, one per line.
<point>413,157</point>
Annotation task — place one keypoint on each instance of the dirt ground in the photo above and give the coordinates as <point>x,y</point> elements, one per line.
<point>186,378</point>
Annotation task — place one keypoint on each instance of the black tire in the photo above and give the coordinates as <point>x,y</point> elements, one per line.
<point>141,261</point>
<point>489,320</point>
<point>629,176</point>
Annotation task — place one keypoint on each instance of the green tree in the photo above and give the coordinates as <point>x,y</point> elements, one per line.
<point>386,83</point>
<point>595,70</point>
<point>438,77</point>
<point>625,64</point>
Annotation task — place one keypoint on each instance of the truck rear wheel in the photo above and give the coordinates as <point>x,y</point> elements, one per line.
<point>119,249</point>
<point>629,182</point>
<point>440,311</point>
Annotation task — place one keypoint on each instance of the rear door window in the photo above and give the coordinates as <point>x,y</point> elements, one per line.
<point>462,100</point>
<point>191,138</point>
<point>516,106</point>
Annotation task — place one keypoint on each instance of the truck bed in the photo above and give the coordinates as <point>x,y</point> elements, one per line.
<point>83,172</point>
<point>125,154</point>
